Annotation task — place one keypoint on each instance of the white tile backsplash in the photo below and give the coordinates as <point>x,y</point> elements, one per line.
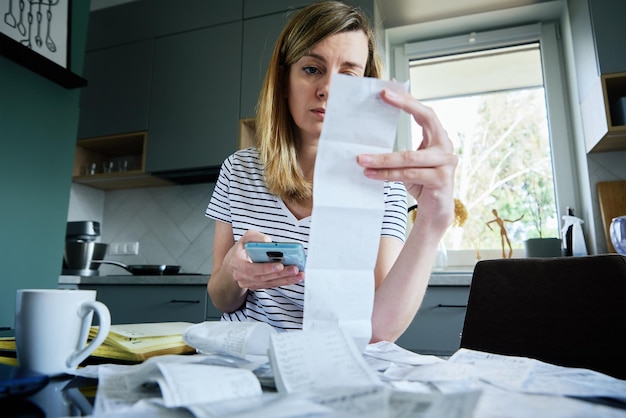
<point>168,222</point>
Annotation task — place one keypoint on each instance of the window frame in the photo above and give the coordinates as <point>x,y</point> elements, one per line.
<point>557,99</point>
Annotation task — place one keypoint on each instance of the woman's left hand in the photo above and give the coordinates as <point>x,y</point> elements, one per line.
<point>428,172</point>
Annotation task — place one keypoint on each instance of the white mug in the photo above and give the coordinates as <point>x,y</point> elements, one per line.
<point>52,326</point>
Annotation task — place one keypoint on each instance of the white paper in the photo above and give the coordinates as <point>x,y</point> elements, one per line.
<point>316,359</point>
<point>269,405</point>
<point>189,384</point>
<point>238,339</point>
<point>385,350</point>
<point>171,378</point>
<point>453,405</point>
<point>527,375</point>
<point>348,207</point>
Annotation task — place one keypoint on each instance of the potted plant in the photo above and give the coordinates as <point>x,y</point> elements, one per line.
<point>541,205</point>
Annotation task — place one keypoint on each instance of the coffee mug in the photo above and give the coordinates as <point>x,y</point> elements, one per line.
<point>52,326</point>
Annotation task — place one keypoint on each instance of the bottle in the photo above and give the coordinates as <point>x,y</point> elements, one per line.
<point>568,235</point>
<point>572,235</point>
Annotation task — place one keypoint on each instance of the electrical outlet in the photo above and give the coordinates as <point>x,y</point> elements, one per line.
<point>123,248</point>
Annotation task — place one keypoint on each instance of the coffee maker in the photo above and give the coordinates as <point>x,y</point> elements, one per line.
<point>81,248</point>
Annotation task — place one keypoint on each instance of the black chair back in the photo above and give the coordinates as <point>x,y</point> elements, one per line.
<point>569,311</point>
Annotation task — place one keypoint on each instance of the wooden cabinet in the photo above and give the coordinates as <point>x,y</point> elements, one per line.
<point>113,162</point>
<point>436,329</point>
<point>116,99</point>
<point>155,303</point>
<point>600,61</point>
<point>194,104</point>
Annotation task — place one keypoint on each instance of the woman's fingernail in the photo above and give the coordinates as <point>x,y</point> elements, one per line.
<point>365,159</point>
<point>390,94</point>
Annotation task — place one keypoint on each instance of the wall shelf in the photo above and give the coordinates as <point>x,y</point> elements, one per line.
<point>603,114</point>
<point>114,162</point>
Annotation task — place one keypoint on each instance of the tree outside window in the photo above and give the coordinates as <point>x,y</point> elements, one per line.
<point>500,133</point>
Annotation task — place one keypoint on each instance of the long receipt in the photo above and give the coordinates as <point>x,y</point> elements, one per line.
<point>348,207</point>
<point>317,359</point>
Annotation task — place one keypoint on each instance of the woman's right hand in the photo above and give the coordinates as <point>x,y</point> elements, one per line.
<point>255,276</point>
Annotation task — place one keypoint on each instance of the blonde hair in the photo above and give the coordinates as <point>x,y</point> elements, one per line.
<point>275,128</point>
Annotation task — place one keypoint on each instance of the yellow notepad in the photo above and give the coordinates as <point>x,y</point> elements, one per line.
<point>141,341</point>
<point>133,342</point>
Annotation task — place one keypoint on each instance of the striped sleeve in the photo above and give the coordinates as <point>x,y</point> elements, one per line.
<point>395,218</point>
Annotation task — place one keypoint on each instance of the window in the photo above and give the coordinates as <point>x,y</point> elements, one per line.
<point>492,95</point>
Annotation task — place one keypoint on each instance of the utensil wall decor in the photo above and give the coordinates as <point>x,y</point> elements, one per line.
<point>35,34</point>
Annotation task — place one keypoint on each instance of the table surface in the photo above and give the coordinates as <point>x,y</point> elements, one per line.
<point>69,396</point>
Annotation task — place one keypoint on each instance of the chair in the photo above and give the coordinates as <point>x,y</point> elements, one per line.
<point>569,311</point>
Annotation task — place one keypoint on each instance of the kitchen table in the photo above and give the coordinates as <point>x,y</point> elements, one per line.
<point>510,397</point>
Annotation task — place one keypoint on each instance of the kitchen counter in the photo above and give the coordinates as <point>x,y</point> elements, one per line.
<point>450,278</point>
<point>129,279</point>
<point>438,278</point>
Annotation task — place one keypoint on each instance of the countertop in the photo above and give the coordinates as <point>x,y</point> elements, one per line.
<point>129,279</point>
<point>450,278</point>
<point>439,278</point>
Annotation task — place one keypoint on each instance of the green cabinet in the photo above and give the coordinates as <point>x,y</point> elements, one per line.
<point>169,68</point>
<point>194,104</point>
<point>256,8</point>
<point>116,99</point>
<point>259,37</point>
<point>437,327</point>
<point>150,19</point>
<point>600,61</point>
<point>184,72</point>
<point>138,303</point>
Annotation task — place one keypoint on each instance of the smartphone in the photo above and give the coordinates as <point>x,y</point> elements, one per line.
<point>17,381</point>
<point>288,253</point>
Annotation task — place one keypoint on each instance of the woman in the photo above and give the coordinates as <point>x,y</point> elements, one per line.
<point>266,194</point>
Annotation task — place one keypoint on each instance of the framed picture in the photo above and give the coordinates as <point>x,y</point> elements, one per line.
<point>36,34</point>
<point>39,25</point>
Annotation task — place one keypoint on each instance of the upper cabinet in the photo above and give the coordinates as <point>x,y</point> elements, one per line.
<point>181,73</point>
<point>259,37</point>
<point>116,99</point>
<point>194,105</point>
<point>171,70</point>
<point>600,58</point>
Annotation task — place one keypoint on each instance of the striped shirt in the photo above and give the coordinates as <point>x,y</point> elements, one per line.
<point>241,199</point>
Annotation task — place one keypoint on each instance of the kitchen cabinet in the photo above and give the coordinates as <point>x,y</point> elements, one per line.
<point>194,103</point>
<point>150,19</point>
<point>600,61</point>
<point>259,37</point>
<point>437,327</point>
<point>137,303</point>
<point>256,8</point>
<point>116,99</point>
<point>603,112</point>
